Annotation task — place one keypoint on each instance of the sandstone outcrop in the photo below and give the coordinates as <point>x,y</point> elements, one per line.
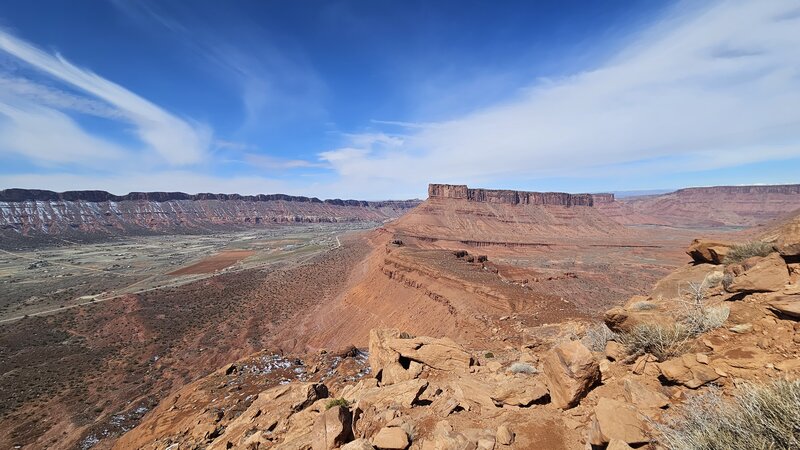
<point>767,274</point>
<point>391,438</point>
<point>622,319</point>
<point>571,371</point>
<point>519,392</point>
<point>513,197</point>
<point>333,428</point>
<point>688,371</point>
<point>706,251</point>
<point>642,396</point>
<point>786,305</point>
<point>396,357</point>
<point>617,420</point>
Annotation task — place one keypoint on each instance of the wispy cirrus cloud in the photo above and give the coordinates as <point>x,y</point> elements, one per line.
<point>275,81</point>
<point>175,140</point>
<point>707,87</point>
<point>50,138</point>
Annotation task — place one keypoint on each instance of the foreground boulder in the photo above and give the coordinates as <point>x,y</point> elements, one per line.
<point>706,251</point>
<point>788,243</point>
<point>786,306</point>
<point>518,392</point>
<point>333,428</point>
<point>623,320</point>
<point>617,420</point>
<point>391,438</point>
<point>767,274</point>
<point>394,356</point>
<point>571,371</point>
<point>688,371</point>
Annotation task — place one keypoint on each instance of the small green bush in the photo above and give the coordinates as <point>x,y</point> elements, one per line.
<point>337,402</point>
<point>488,355</point>
<point>759,417</point>
<point>740,252</point>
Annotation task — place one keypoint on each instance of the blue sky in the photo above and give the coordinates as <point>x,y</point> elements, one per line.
<point>376,99</point>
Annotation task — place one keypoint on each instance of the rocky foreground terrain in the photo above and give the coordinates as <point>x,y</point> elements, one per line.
<point>47,216</point>
<point>709,359</point>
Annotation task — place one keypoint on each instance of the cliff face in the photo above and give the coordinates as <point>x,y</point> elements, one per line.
<point>24,195</point>
<point>783,189</point>
<point>515,197</point>
<point>28,211</point>
<point>717,206</point>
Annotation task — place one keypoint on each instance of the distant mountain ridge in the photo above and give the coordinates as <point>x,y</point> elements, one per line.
<point>713,206</point>
<point>23,195</point>
<point>32,213</point>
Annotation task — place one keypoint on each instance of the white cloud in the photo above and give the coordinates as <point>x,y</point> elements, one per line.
<point>274,163</point>
<point>50,137</point>
<point>166,181</point>
<point>177,141</point>
<point>705,88</point>
<point>56,98</point>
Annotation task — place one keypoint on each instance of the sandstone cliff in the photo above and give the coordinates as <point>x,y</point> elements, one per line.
<point>509,197</point>
<point>729,206</point>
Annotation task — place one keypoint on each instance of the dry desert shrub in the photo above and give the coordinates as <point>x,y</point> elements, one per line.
<point>740,252</point>
<point>661,341</point>
<point>643,306</point>
<point>760,417</point>
<point>597,336</point>
<point>698,321</point>
<point>521,367</point>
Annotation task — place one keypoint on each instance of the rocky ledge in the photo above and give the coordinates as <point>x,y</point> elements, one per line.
<point>461,191</point>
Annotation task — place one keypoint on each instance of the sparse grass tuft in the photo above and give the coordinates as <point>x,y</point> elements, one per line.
<point>521,367</point>
<point>760,417</point>
<point>643,306</point>
<point>661,341</point>
<point>597,336</point>
<point>337,402</point>
<point>740,252</point>
<point>699,321</point>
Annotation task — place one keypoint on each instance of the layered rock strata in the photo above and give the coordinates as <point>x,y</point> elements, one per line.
<point>509,197</point>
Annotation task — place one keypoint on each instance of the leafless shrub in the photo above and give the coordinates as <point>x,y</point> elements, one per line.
<point>661,341</point>
<point>697,316</point>
<point>521,367</point>
<point>740,252</point>
<point>760,417</point>
<point>597,336</point>
<point>706,319</point>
